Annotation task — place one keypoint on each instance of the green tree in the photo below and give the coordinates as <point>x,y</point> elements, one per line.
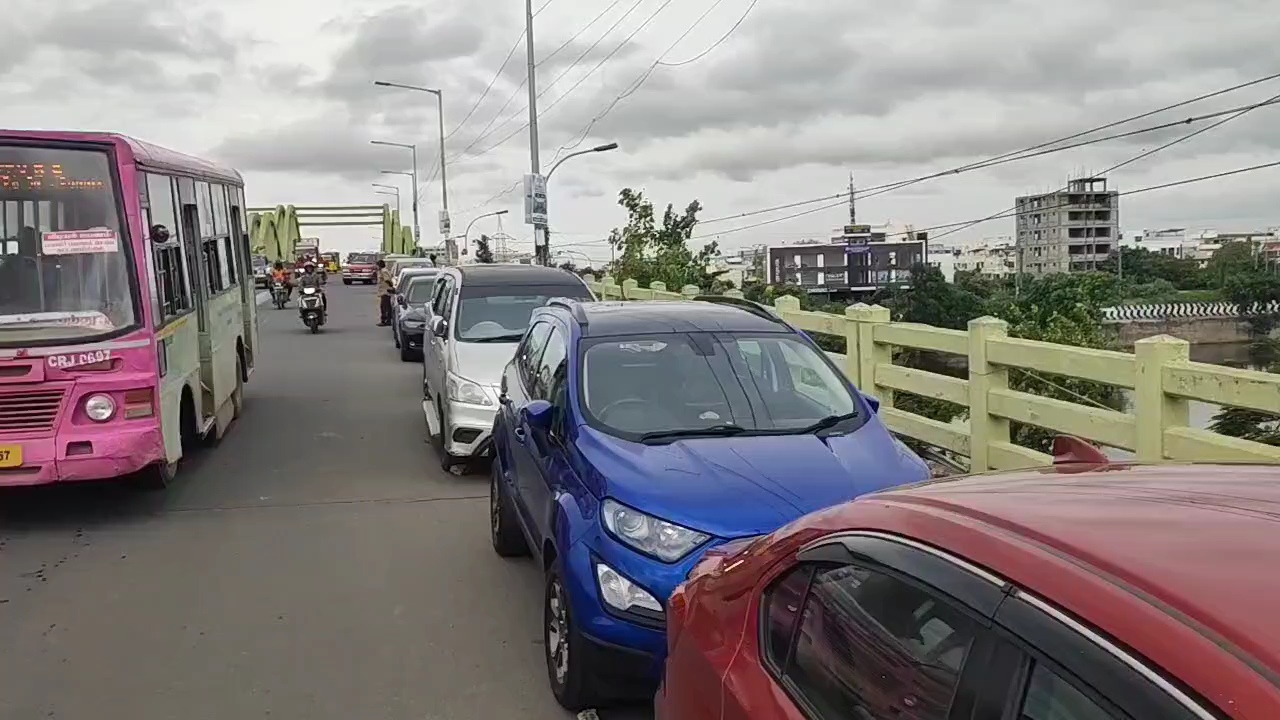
<point>484,252</point>
<point>1232,259</point>
<point>1253,290</point>
<point>649,251</point>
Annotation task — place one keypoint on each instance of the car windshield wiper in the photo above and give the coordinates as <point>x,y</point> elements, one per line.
<point>513,337</point>
<point>710,431</point>
<point>827,423</point>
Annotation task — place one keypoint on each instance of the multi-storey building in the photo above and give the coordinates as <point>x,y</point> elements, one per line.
<point>857,259</point>
<point>1072,230</point>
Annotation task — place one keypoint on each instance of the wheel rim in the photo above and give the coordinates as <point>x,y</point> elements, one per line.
<point>557,632</point>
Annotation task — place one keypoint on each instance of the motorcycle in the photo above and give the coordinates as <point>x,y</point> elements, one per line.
<point>311,308</point>
<point>279,294</point>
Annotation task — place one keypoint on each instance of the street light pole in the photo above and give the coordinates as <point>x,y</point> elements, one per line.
<point>543,251</point>
<point>412,178</point>
<point>413,151</point>
<point>393,191</point>
<point>444,169</point>
<point>465,233</point>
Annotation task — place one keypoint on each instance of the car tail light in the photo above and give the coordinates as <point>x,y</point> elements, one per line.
<point>139,404</point>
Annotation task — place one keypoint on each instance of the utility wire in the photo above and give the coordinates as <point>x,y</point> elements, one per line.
<point>1008,213</point>
<point>998,160</point>
<point>717,43</point>
<point>633,87</point>
<point>581,80</point>
<point>487,132</point>
<point>576,35</point>
<point>510,53</point>
<point>1150,188</point>
<point>1146,154</point>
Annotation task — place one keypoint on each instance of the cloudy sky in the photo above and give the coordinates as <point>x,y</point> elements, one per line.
<point>800,94</point>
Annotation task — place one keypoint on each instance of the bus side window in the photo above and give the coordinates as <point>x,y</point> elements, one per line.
<point>173,290</point>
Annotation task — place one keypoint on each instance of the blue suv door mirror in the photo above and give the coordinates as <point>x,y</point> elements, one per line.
<point>873,402</point>
<point>538,414</point>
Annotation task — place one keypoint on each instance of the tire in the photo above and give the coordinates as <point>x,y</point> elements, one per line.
<point>315,328</point>
<point>346,282</point>
<point>237,395</point>
<point>157,477</point>
<point>447,459</point>
<point>406,355</point>
<point>575,685</point>
<point>507,539</point>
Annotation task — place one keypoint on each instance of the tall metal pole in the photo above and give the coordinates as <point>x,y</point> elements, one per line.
<point>540,250</point>
<point>417,233</point>
<point>444,175</point>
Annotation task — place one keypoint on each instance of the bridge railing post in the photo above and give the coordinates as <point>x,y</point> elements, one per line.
<point>984,376</point>
<point>868,352</point>
<point>691,291</point>
<point>1154,410</point>
<point>609,287</point>
<point>628,289</point>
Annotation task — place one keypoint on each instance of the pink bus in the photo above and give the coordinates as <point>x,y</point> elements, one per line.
<point>128,321</point>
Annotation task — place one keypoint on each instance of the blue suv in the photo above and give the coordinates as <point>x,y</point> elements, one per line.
<point>631,437</point>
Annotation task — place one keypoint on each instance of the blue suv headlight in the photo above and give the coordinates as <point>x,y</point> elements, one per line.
<point>665,541</point>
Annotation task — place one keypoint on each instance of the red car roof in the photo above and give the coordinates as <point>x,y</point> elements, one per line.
<point>1180,563</point>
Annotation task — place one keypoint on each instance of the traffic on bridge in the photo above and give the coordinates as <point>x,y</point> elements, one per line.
<point>251,470</point>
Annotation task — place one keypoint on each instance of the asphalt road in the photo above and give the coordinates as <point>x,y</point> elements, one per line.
<point>317,565</point>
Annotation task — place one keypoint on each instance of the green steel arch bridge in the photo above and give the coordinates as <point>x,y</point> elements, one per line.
<point>275,232</point>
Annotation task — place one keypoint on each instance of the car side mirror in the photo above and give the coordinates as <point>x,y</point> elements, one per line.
<point>538,415</point>
<point>400,299</point>
<point>439,326</point>
<point>874,402</point>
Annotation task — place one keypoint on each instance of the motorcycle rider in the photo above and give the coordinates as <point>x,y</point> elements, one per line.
<point>310,278</point>
<point>280,275</point>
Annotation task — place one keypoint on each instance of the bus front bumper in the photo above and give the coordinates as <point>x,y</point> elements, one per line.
<point>81,454</point>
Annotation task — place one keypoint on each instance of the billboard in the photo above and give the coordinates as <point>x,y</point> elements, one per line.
<point>535,199</point>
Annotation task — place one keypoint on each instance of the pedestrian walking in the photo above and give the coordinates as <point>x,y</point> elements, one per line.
<point>384,294</point>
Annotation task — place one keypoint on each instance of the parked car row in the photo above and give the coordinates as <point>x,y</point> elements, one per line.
<point>724,523</point>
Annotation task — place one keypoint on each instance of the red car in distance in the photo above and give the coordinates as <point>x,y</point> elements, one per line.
<point>1084,591</point>
<point>361,268</point>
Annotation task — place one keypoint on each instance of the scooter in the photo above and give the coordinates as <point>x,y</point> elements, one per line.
<point>279,294</point>
<point>311,308</point>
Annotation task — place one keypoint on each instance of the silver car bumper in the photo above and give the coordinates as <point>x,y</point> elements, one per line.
<point>468,429</point>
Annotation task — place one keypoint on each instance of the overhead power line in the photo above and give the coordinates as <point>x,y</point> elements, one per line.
<point>1153,151</point>
<point>715,44</point>
<point>1019,155</point>
<point>510,53</point>
<point>1008,213</point>
<point>643,77</point>
<point>489,129</point>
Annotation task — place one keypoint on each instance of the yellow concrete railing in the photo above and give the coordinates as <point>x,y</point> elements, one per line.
<point>1162,378</point>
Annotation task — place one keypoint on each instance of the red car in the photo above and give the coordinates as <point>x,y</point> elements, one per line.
<point>1085,591</point>
<point>361,268</point>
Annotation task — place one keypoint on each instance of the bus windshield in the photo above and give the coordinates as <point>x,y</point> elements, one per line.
<point>64,271</point>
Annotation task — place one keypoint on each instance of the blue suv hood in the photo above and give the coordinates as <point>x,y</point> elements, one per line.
<point>742,486</point>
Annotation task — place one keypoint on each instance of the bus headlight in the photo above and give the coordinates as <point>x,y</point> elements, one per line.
<point>100,408</point>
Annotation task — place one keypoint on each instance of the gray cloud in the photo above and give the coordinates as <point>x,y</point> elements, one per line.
<point>917,79</point>
<point>126,45</point>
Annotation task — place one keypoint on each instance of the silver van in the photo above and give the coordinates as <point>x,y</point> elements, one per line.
<point>477,316</point>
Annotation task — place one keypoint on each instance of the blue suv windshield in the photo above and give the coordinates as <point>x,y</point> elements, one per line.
<point>674,382</point>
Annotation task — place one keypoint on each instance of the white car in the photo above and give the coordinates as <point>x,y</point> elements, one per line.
<point>477,317</point>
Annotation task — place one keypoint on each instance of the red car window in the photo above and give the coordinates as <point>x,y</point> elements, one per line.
<point>1049,697</point>
<point>870,645</point>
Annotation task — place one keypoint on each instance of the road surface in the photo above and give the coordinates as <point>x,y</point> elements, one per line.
<point>318,565</point>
